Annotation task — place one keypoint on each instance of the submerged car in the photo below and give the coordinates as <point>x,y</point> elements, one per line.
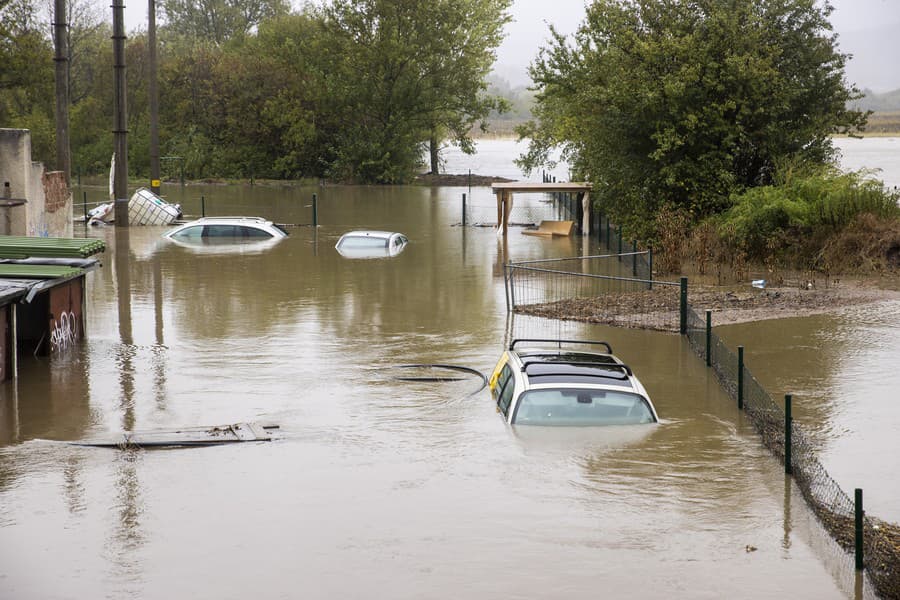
<point>226,230</point>
<point>371,244</point>
<point>546,384</point>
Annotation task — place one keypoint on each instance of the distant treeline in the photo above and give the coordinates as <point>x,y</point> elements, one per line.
<point>349,91</point>
<point>886,102</point>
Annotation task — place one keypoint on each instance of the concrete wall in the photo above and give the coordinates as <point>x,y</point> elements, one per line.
<point>48,210</point>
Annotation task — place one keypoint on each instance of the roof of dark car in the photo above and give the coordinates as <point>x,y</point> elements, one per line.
<point>574,367</point>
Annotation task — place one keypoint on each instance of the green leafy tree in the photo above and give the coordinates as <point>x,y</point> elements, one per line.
<point>26,76</point>
<point>403,74</point>
<point>218,21</point>
<point>680,104</point>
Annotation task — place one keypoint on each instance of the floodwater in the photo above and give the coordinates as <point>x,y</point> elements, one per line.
<point>376,486</point>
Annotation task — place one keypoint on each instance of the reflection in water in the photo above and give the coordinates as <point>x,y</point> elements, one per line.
<point>841,370</point>
<point>160,365</point>
<point>74,486</point>
<point>417,488</point>
<point>786,543</point>
<point>127,536</point>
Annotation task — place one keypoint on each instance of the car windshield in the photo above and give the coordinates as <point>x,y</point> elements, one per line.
<point>362,242</point>
<point>582,406</point>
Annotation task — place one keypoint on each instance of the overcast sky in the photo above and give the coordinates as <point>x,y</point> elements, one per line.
<point>868,29</point>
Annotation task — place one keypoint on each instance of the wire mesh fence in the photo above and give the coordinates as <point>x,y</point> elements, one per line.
<point>582,290</point>
<point>830,503</point>
<point>594,289</point>
<point>527,209</point>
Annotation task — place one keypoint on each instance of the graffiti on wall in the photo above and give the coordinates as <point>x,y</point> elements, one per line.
<point>63,333</point>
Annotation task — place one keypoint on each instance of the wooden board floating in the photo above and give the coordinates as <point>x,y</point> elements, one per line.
<point>188,436</point>
<point>551,228</point>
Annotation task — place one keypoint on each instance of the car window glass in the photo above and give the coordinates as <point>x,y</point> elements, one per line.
<point>502,378</point>
<point>189,233</point>
<point>506,396</point>
<point>505,385</point>
<point>567,406</point>
<point>358,241</point>
<point>253,232</point>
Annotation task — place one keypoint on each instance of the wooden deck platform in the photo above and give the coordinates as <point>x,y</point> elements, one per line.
<point>504,192</point>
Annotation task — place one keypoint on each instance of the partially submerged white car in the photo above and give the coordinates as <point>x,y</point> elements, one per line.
<point>226,229</point>
<point>548,385</point>
<point>371,244</point>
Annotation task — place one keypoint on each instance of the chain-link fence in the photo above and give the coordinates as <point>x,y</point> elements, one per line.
<point>596,289</point>
<point>527,210</point>
<point>831,504</point>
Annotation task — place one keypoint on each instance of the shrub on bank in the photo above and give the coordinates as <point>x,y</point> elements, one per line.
<point>803,221</point>
<point>828,221</point>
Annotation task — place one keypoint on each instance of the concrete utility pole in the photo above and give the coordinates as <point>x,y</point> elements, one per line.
<point>61,57</point>
<point>120,120</point>
<point>154,99</point>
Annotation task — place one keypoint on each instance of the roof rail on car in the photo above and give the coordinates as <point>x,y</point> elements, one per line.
<point>559,343</point>
<point>609,366</point>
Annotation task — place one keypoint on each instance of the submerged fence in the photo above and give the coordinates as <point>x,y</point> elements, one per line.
<point>619,289</point>
<point>876,544</point>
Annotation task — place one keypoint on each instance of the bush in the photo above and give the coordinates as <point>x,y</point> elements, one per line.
<point>804,212</point>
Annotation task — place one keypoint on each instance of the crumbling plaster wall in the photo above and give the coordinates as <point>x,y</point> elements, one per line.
<point>48,209</point>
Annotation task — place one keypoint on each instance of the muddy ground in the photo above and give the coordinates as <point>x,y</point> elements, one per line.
<point>659,308</point>
<point>458,180</point>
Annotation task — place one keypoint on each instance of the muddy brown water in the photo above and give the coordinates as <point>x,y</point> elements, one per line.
<point>377,487</point>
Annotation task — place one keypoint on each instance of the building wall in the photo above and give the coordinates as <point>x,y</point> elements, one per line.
<point>6,342</point>
<point>66,321</point>
<point>48,210</point>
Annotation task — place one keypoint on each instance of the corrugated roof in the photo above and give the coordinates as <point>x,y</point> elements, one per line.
<point>17,271</point>
<point>25,247</point>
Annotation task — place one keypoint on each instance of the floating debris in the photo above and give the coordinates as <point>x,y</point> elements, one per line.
<point>187,436</point>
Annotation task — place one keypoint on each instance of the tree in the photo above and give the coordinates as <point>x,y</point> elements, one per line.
<point>406,73</point>
<point>26,75</point>
<point>218,21</point>
<point>682,103</point>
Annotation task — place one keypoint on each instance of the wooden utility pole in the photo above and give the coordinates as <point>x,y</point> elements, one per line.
<point>120,120</point>
<point>61,58</point>
<point>154,99</point>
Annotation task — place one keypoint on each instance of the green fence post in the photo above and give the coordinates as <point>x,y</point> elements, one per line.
<point>84,205</point>
<point>858,542</point>
<point>650,260</point>
<point>202,206</point>
<point>683,325</point>
<point>315,210</point>
<point>464,207</point>
<point>708,338</point>
<point>788,422</point>
<point>740,382</point>
<point>608,247</point>
<point>512,289</point>
<point>634,258</point>
<point>620,242</point>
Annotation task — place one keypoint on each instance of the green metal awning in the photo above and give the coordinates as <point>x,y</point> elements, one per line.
<point>20,271</point>
<point>26,247</point>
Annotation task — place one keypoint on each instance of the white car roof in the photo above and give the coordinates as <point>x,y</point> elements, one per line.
<point>370,233</point>
<point>257,222</point>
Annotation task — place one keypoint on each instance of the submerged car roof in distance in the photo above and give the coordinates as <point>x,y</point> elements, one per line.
<point>257,223</point>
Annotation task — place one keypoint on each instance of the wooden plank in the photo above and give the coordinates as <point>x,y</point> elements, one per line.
<point>188,436</point>
<point>551,228</point>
